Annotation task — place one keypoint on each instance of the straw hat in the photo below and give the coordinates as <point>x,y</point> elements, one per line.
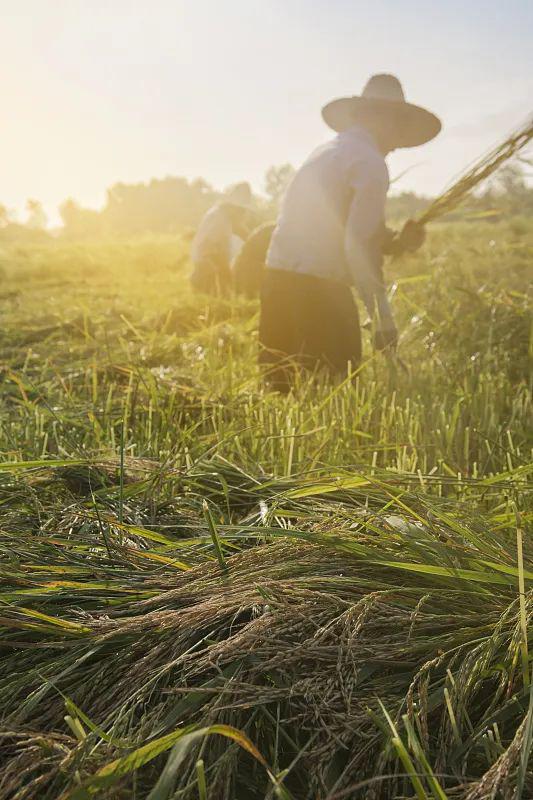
<point>383,93</point>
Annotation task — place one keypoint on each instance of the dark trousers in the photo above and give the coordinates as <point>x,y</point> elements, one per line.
<point>211,276</point>
<point>306,322</point>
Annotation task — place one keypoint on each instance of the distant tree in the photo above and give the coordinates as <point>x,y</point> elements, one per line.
<point>508,192</point>
<point>163,205</point>
<point>405,205</point>
<point>277,178</point>
<point>79,222</point>
<point>4,215</point>
<point>37,218</point>
<point>511,180</point>
<point>12,231</point>
<point>202,186</point>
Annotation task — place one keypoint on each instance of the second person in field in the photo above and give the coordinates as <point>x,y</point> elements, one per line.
<point>226,224</point>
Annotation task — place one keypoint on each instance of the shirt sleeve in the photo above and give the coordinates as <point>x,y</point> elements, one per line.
<point>369,182</point>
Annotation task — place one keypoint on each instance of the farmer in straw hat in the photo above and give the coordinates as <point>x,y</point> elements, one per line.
<point>213,245</point>
<point>331,234</point>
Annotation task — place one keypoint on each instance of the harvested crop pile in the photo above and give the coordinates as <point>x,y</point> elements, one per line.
<point>373,634</point>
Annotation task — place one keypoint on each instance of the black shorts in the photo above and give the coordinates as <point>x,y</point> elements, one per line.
<point>306,321</point>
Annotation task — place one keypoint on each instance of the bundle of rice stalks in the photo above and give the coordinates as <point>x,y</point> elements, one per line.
<point>478,172</point>
<point>372,644</point>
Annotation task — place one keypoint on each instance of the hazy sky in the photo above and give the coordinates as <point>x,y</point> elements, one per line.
<point>94,92</point>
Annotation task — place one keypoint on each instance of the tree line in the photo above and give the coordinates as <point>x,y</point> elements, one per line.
<point>175,205</point>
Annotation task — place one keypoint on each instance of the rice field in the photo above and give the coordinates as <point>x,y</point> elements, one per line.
<point>212,591</point>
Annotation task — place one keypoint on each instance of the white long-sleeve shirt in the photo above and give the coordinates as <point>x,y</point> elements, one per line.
<point>213,239</point>
<point>333,215</point>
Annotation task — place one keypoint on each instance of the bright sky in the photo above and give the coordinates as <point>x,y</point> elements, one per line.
<point>98,91</point>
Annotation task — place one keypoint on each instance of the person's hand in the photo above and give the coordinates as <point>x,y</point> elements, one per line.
<point>386,338</point>
<point>410,239</point>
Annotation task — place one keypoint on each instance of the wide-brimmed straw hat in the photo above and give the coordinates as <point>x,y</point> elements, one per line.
<point>413,125</point>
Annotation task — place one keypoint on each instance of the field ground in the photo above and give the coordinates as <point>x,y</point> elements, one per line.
<point>213,591</point>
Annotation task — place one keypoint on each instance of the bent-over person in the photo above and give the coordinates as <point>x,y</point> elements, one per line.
<point>330,235</point>
<point>212,246</point>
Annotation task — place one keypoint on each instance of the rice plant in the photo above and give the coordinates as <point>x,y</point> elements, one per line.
<point>212,591</point>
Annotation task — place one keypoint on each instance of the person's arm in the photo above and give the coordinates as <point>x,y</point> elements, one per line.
<point>363,246</point>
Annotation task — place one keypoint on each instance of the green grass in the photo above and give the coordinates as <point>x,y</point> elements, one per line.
<point>213,591</point>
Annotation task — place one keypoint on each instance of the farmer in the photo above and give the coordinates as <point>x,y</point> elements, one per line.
<point>213,245</point>
<point>331,234</point>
